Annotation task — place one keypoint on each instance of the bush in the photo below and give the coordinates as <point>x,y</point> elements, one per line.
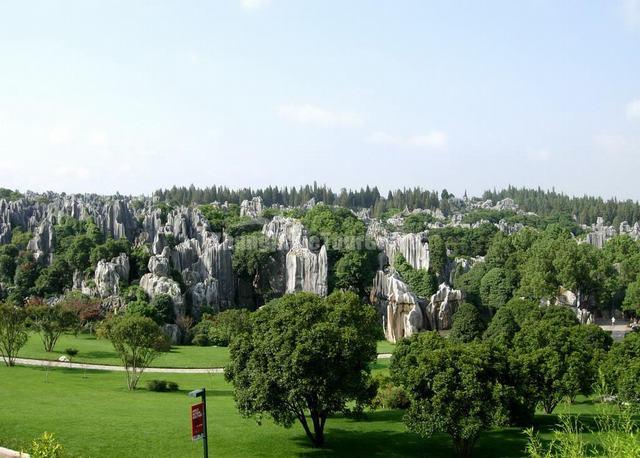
<point>220,329</point>
<point>389,396</point>
<point>162,386</point>
<point>46,446</point>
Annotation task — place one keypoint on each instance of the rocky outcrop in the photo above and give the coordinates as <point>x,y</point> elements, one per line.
<point>413,247</point>
<point>401,313</point>
<point>443,304</point>
<point>109,275</point>
<point>154,285</point>
<point>297,265</point>
<point>307,271</point>
<point>42,243</point>
<point>251,208</point>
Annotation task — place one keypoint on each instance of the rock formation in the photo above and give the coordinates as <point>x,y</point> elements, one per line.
<point>443,304</point>
<point>251,208</point>
<point>401,313</point>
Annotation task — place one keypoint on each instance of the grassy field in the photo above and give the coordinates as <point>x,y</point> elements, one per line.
<point>95,416</point>
<point>100,351</point>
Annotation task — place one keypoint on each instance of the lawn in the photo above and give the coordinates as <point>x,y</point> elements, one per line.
<point>100,351</point>
<point>93,415</point>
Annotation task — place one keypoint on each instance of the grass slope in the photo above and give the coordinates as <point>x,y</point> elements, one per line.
<point>100,351</point>
<point>95,416</point>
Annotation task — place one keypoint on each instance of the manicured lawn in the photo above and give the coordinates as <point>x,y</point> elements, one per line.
<point>385,347</point>
<point>95,416</point>
<point>100,351</point>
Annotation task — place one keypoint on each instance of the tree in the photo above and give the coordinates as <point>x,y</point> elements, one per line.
<point>631,301</point>
<point>616,368</point>
<point>559,357</point>
<point>454,388</point>
<point>421,281</point>
<point>502,328</point>
<point>437,255</point>
<point>51,321</point>
<point>467,324</point>
<point>305,358</point>
<point>355,270</point>
<point>138,341</point>
<point>13,331</point>
<point>496,288</point>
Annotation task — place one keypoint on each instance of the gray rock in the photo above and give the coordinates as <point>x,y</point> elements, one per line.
<point>399,307</point>
<point>443,304</point>
<point>251,208</point>
<point>307,271</point>
<point>154,285</point>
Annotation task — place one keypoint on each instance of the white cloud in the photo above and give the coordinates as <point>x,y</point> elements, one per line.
<point>253,5</point>
<point>633,109</point>
<point>434,139</point>
<point>631,12</point>
<point>315,115</point>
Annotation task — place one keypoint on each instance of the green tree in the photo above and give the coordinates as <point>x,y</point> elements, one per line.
<point>305,358</point>
<point>13,331</point>
<point>496,288</point>
<point>421,281</point>
<point>437,255</point>
<point>502,328</point>
<point>355,270</point>
<point>51,321</point>
<point>467,324</point>
<point>631,301</point>
<point>138,341</point>
<point>454,388</point>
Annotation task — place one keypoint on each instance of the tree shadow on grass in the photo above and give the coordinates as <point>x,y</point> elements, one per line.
<point>346,442</point>
<point>97,355</point>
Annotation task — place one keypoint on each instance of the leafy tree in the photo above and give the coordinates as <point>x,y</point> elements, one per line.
<point>467,324</point>
<point>355,270</point>
<point>87,308</point>
<point>454,388</point>
<point>502,328</point>
<point>252,254</point>
<point>138,341</point>
<point>54,278</point>
<point>305,358</point>
<point>496,288</point>
<point>163,305</point>
<point>632,298</point>
<point>421,281</point>
<point>620,357</point>
<point>416,222</point>
<point>470,283</point>
<point>437,255</point>
<point>559,357</point>
<point>13,331</point>
<point>51,321</point>
<point>221,328</point>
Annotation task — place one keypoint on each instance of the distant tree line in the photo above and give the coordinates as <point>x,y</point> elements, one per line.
<point>584,210</point>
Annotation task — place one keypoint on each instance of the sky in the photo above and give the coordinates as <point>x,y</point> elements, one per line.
<point>119,96</point>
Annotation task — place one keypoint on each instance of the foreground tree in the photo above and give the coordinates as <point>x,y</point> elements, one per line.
<point>51,321</point>
<point>138,341</point>
<point>13,331</point>
<point>454,388</point>
<point>559,357</point>
<point>305,358</point>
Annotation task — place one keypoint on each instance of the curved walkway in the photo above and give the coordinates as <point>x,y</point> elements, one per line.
<point>106,367</point>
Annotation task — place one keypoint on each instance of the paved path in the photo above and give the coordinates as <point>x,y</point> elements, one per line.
<point>105,367</point>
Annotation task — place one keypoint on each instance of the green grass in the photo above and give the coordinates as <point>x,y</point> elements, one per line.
<point>386,347</point>
<point>100,351</point>
<point>95,416</point>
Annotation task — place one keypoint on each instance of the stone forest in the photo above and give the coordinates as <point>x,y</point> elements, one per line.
<point>468,320</point>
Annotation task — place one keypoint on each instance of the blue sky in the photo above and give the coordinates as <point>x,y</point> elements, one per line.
<point>106,96</point>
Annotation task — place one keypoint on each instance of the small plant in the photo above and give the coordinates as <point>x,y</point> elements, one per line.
<point>162,386</point>
<point>389,396</point>
<point>46,446</point>
<point>71,352</point>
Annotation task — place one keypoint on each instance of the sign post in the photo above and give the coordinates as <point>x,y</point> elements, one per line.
<point>199,419</point>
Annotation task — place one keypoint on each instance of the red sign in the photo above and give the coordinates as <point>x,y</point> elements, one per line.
<point>197,421</point>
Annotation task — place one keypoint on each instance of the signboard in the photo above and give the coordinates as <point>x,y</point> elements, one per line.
<point>197,421</point>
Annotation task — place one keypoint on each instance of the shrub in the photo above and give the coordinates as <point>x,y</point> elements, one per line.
<point>46,446</point>
<point>162,386</point>
<point>389,396</point>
